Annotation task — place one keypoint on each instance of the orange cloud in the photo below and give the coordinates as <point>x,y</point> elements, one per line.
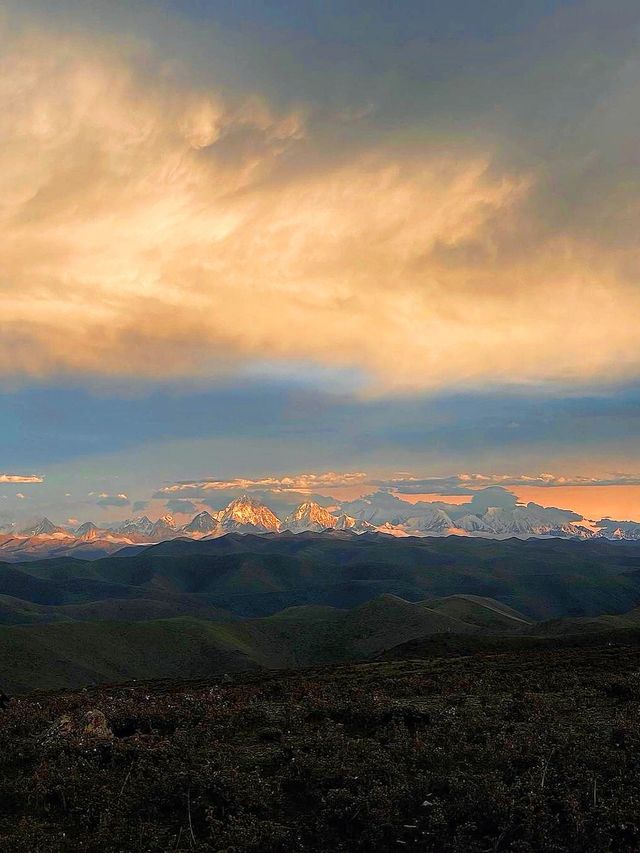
<point>294,482</point>
<point>153,228</point>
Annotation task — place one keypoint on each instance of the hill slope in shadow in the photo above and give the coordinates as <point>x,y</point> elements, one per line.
<point>254,576</point>
<point>76,654</point>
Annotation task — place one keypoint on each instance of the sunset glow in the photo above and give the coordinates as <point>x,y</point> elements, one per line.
<point>219,264</point>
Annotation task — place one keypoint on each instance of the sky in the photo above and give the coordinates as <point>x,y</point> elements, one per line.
<point>369,244</point>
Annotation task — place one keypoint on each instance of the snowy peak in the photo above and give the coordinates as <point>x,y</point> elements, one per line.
<point>618,529</point>
<point>202,523</point>
<point>164,528</point>
<point>434,521</point>
<point>490,513</point>
<point>246,514</point>
<point>167,521</point>
<point>44,527</point>
<point>355,525</point>
<point>88,531</point>
<point>471,523</point>
<point>132,527</point>
<point>309,516</point>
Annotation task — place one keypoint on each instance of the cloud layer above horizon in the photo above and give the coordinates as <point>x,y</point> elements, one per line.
<point>247,240</point>
<point>166,220</point>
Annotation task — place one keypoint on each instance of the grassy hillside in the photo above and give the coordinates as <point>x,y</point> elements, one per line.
<point>480,611</point>
<point>463,645</point>
<point>76,654</point>
<point>308,636</point>
<point>606,622</point>
<point>72,654</point>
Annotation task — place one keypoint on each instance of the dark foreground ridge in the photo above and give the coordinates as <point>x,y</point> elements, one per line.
<point>514,750</point>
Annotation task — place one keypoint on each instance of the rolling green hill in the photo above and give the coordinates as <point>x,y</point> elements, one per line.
<point>606,622</point>
<point>196,608</point>
<point>73,654</point>
<point>255,576</point>
<point>77,654</point>
<point>480,611</point>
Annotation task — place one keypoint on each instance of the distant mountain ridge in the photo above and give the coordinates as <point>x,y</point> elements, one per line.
<point>491,513</point>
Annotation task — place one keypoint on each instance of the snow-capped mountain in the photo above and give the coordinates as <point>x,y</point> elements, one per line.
<point>88,531</point>
<point>490,513</point>
<point>309,516</point>
<point>618,529</point>
<point>434,521</point>
<point>245,514</point>
<point>201,524</point>
<point>44,527</point>
<point>471,523</point>
<point>163,528</point>
<point>354,525</point>
<point>135,527</point>
<point>379,508</point>
<point>533,520</point>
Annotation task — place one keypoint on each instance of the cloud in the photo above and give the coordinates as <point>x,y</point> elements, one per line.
<point>490,497</point>
<point>293,482</point>
<point>140,505</point>
<point>468,484</point>
<point>113,500</point>
<point>407,484</point>
<point>180,505</point>
<point>145,213</point>
<point>288,491</point>
<point>21,478</point>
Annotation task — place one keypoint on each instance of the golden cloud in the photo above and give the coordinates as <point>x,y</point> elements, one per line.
<point>151,228</point>
<point>293,482</point>
<point>21,478</point>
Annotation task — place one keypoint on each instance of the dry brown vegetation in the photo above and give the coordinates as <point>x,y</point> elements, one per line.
<point>517,750</point>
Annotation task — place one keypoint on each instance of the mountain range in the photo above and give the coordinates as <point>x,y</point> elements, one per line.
<point>491,513</point>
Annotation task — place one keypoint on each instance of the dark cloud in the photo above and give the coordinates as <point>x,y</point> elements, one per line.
<point>468,484</point>
<point>494,496</point>
<point>181,505</point>
<point>425,485</point>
